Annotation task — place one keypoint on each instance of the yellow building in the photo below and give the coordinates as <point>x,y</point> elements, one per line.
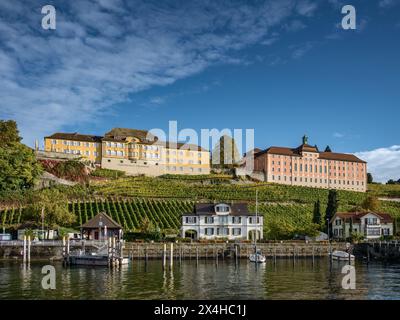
<point>138,152</point>
<point>86,146</point>
<point>133,151</point>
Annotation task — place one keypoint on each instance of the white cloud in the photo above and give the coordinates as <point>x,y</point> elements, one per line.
<point>103,51</point>
<point>338,135</point>
<point>383,163</point>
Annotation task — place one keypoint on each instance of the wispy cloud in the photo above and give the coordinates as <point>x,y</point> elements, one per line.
<point>300,50</point>
<point>388,3</point>
<point>383,163</point>
<point>104,51</point>
<point>338,135</point>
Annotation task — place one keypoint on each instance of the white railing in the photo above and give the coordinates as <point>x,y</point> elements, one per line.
<point>54,243</point>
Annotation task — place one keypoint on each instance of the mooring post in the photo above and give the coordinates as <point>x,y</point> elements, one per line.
<point>24,250</point>
<point>216,257</point>
<point>236,254</point>
<point>164,256</point>
<point>171,256</point>
<point>29,249</point>
<point>313,256</point>
<point>197,256</point>
<point>145,255</point>
<point>63,251</point>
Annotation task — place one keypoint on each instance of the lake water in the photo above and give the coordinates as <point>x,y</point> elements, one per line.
<point>285,280</point>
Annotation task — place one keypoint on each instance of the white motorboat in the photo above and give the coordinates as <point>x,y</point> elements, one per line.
<point>257,257</point>
<point>342,256</point>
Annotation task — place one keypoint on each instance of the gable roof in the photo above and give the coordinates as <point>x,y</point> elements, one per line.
<point>385,217</point>
<point>237,209</point>
<point>296,152</point>
<point>103,217</point>
<point>120,134</point>
<point>75,137</point>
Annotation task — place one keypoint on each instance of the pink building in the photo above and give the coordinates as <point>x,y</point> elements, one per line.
<point>307,166</point>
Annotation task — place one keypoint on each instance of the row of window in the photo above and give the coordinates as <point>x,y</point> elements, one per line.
<point>223,231</point>
<point>183,161</point>
<point>78,144</point>
<point>78,152</point>
<point>315,180</point>
<point>221,220</point>
<point>190,169</point>
<point>322,169</point>
<point>344,163</point>
<point>181,153</point>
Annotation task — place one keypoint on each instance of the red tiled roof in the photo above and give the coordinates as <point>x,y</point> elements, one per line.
<point>296,152</point>
<point>385,217</point>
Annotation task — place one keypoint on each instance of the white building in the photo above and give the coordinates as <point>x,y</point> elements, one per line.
<point>213,221</point>
<point>370,224</point>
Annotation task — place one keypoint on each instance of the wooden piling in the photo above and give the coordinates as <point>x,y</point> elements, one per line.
<point>24,250</point>
<point>171,256</point>
<point>29,249</point>
<point>197,256</point>
<point>164,256</point>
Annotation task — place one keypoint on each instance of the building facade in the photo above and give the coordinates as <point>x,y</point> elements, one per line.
<point>86,146</point>
<point>221,221</point>
<point>369,224</point>
<point>307,166</point>
<point>133,151</point>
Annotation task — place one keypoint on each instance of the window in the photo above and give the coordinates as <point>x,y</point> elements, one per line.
<point>87,153</point>
<point>190,220</point>
<point>209,220</point>
<point>54,142</point>
<point>236,220</point>
<point>222,208</point>
<point>236,231</point>
<point>209,231</point>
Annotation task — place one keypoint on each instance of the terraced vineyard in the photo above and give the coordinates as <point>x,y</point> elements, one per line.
<point>128,213</point>
<point>169,188</point>
<point>163,200</point>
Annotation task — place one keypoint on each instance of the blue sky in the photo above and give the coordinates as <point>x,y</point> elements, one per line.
<point>283,68</point>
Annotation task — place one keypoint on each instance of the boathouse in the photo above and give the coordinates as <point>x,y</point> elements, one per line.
<point>101,227</point>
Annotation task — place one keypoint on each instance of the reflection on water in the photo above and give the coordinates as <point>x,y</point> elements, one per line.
<point>188,280</point>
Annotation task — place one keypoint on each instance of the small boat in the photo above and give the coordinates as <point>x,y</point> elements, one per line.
<point>341,256</point>
<point>257,257</point>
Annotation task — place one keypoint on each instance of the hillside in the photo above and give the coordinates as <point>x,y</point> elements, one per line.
<point>287,209</point>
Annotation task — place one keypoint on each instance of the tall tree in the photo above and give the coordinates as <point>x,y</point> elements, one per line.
<point>317,217</point>
<point>18,166</point>
<point>225,153</point>
<point>331,209</point>
<point>370,178</point>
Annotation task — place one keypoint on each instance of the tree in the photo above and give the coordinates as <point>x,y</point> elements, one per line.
<point>317,217</point>
<point>8,133</point>
<point>18,166</point>
<point>370,179</point>
<point>331,208</point>
<point>51,207</point>
<point>225,153</point>
<point>371,203</point>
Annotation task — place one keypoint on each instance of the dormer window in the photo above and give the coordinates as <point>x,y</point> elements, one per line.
<point>222,209</point>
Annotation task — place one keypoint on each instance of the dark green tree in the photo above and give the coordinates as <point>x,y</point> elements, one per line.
<point>331,209</point>
<point>317,216</point>
<point>18,166</point>
<point>370,179</point>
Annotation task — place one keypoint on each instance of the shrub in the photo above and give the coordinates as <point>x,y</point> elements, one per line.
<point>108,173</point>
